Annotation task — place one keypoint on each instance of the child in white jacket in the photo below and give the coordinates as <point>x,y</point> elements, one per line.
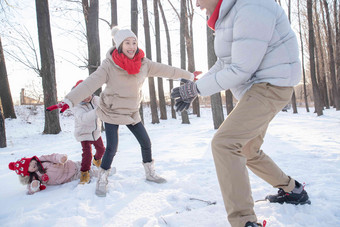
<point>87,131</point>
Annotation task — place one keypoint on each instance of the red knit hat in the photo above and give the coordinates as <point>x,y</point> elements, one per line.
<point>21,166</point>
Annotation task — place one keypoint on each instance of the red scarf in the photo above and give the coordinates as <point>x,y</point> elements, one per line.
<point>214,16</point>
<point>131,66</point>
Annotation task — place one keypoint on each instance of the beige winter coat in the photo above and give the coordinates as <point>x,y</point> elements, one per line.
<point>120,100</point>
<point>87,126</point>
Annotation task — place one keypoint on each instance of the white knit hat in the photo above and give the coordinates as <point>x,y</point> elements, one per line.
<point>119,35</point>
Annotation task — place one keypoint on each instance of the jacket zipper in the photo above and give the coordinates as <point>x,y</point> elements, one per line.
<point>95,122</point>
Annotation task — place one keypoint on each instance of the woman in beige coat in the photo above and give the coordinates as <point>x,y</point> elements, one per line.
<point>123,71</point>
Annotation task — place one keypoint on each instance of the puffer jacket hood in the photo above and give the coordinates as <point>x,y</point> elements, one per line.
<point>254,43</point>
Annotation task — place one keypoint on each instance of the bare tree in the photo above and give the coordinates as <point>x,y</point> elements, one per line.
<point>153,100</point>
<point>189,39</point>
<point>168,41</point>
<point>216,100</point>
<point>337,42</point>
<point>331,58</point>
<point>302,58</point>
<point>186,20</point>
<point>325,60</point>
<point>5,91</point>
<point>183,23</point>
<point>319,54</point>
<point>91,15</point>
<point>47,72</point>
<point>114,13</point>
<point>229,101</point>
<point>186,45</point>
<point>33,89</point>
<point>161,97</point>
<point>293,99</point>
<point>316,92</point>
<point>134,29</point>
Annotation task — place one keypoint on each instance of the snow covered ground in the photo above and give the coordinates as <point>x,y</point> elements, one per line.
<point>303,145</point>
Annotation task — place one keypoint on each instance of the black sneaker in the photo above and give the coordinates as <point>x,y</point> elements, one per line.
<point>297,197</point>
<point>252,224</point>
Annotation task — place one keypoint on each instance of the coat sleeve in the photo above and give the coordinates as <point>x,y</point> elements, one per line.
<point>54,158</point>
<point>90,84</point>
<point>252,31</point>
<point>215,68</point>
<point>162,70</point>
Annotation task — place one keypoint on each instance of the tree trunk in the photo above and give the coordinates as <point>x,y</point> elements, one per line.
<point>294,102</point>
<point>316,92</point>
<point>5,91</point>
<point>153,100</point>
<point>189,38</point>
<point>91,15</point>
<point>215,99</point>
<point>293,99</point>
<point>318,72</point>
<point>2,131</point>
<point>171,82</point>
<point>337,42</point>
<point>134,29</point>
<point>114,13</point>
<point>321,61</point>
<point>325,62</point>
<point>331,58</point>
<point>184,115</point>
<point>161,97</point>
<point>302,57</point>
<point>134,17</point>
<point>47,72</point>
<point>229,101</point>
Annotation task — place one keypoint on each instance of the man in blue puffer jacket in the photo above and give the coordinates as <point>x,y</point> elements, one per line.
<point>258,60</point>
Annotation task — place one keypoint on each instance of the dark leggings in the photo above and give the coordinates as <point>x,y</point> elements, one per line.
<point>111,132</point>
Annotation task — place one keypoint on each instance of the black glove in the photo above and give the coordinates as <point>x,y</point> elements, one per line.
<point>184,94</point>
<point>180,105</point>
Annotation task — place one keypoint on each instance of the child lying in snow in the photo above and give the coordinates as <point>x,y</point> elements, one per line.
<point>51,169</point>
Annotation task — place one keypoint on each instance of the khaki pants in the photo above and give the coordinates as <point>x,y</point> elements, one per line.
<point>237,144</point>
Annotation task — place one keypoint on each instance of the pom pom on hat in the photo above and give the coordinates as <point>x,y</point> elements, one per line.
<point>119,35</point>
<point>114,31</point>
<point>11,166</point>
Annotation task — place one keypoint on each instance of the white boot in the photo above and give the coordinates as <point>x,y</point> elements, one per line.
<point>101,187</point>
<point>94,171</point>
<point>150,173</point>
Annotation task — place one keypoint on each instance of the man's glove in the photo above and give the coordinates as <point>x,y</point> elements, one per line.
<point>180,105</point>
<point>185,94</point>
<point>62,105</point>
